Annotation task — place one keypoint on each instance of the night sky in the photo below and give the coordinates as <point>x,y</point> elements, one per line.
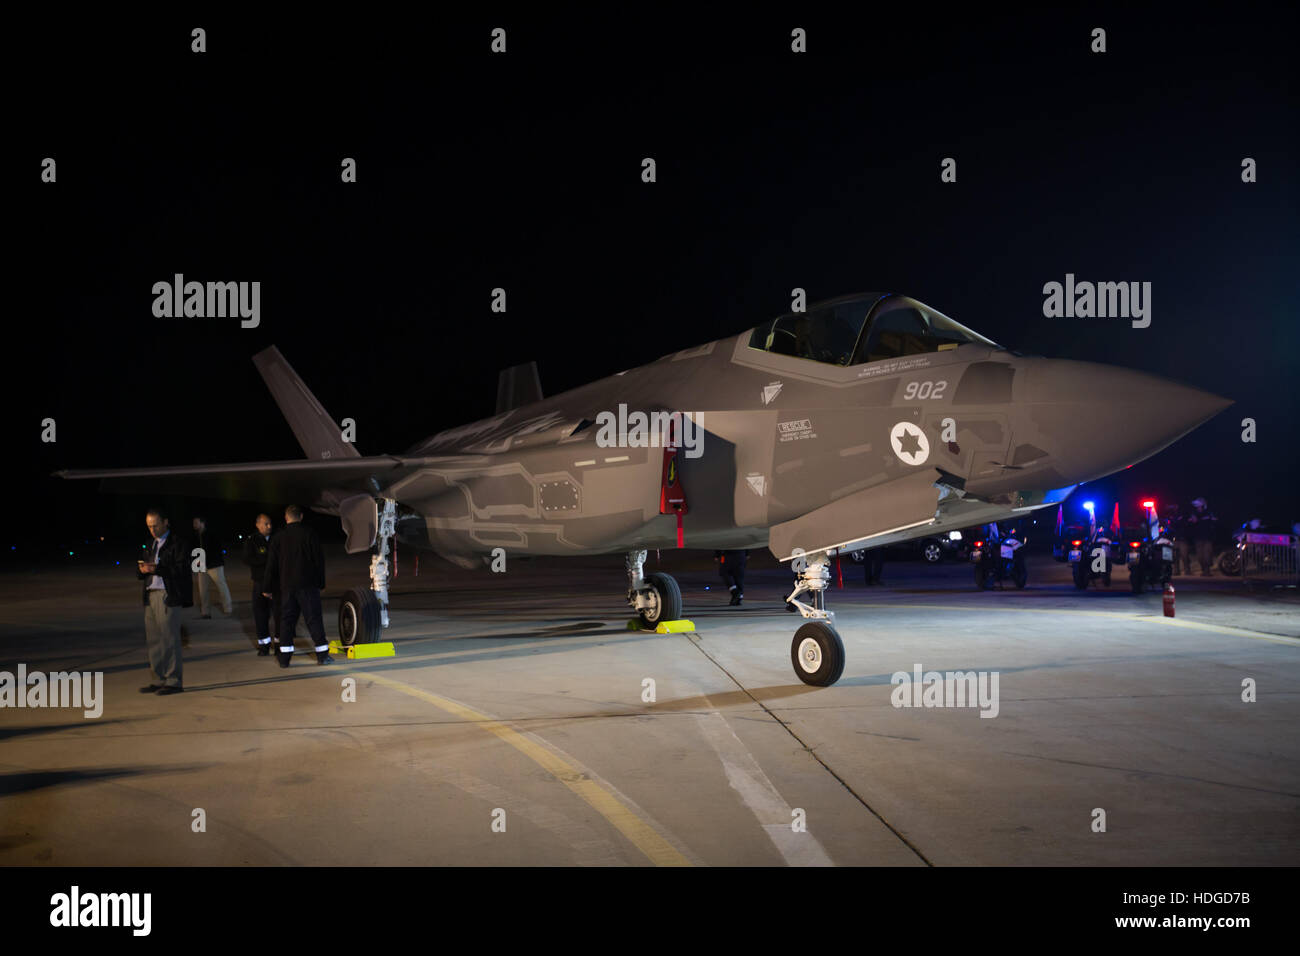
<point>522,171</point>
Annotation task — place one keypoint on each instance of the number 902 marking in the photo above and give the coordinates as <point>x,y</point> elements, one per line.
<point>924,390</point>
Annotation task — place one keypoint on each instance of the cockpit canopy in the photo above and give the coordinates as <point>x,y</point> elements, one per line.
<point>863,328</point>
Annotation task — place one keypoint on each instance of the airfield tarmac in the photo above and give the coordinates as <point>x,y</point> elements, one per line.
<point>516,698</point>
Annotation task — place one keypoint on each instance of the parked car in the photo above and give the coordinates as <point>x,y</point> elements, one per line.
<point>931,549</point>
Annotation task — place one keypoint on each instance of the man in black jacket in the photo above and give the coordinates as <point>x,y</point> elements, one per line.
<point>266,612</point>
<point>295,570</point>
<point>166,591</point>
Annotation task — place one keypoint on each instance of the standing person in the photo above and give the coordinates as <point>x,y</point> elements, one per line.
<point>266,611</point>
<point>166,592</point>
<point>1204,524</point>
<point>873,562</point>
<point>295,570</point>
<point>731,567</point>
<point>1182,532</point>
<point>214,559</point>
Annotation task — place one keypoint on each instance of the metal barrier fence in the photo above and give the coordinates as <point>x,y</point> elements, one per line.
<point>1272,559</point>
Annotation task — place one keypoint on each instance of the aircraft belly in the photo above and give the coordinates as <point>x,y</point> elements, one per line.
<point>571,499</point>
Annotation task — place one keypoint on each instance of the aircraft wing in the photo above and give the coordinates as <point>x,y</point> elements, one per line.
<point>295,480</point>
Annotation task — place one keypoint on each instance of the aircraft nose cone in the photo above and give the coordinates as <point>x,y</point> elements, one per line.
<point>1101,418</point>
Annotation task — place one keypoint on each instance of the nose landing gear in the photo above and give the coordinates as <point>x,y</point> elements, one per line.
<point>816,652</point>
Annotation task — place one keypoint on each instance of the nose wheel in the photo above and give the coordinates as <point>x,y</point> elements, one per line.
<point>817,654</point>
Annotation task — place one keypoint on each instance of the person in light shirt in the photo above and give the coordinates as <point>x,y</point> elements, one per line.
<point>167,590</point>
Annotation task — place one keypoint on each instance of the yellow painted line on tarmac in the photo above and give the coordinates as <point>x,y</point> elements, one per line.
<point>1113,615</point>
<point>643,836</point>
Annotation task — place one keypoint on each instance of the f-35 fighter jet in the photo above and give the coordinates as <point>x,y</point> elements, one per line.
<point>862,421</point>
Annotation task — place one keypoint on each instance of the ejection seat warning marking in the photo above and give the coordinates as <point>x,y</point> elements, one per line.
<point>601,797</point>
<point>875,369</point>
<point>909,443</point>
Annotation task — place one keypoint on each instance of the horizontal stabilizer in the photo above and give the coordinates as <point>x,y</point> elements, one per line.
<point>518,386</point>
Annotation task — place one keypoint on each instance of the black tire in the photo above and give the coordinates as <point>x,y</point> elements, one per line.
<point>359,617</point>
<point>1020,575</point>
<point>932,552</point>
<point>983,580</point>
<point>1136,577</point>
<point>1230,564</point>
<point>817,654</point>
<point>1105,579</point>
<point>1080,572</point>
<point>668,599</point>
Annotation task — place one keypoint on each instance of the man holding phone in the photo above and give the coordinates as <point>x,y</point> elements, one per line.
<point>167,591</point>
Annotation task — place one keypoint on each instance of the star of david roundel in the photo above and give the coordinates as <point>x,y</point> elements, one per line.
<point>909,443</point>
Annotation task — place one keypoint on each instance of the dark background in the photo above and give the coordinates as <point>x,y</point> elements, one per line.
<point>775,170</point>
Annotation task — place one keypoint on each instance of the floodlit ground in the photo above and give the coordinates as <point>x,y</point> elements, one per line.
<point>511,727</point>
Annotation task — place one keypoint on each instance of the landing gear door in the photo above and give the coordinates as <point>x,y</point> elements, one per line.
<point>908,501</point>
<point>360,517</point>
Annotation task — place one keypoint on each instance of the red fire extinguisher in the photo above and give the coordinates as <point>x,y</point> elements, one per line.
<point>1169,600</point>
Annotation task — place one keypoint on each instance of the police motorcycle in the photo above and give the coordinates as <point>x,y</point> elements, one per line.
<point>1093,555</point>
<point>997,557</point>
<point>1151,561</point>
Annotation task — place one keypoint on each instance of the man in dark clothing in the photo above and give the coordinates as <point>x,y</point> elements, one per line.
<point>1204,523</point>
<point>873,562</point>
<point>214,560</point>
<point>295,570</point>
<point>266,611</point>
<point>165,575</point>
<point>731,566</point>
<point>1182,535</point>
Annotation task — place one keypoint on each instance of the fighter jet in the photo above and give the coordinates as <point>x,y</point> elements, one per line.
<point>861,421</point>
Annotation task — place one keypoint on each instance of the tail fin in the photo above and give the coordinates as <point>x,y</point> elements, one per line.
<point>519,385</point>
<point>317,433</point>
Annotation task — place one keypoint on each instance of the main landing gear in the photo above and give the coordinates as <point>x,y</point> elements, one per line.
<point>655,597</point>
<point>363,614</point>
<point>816,652</point>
